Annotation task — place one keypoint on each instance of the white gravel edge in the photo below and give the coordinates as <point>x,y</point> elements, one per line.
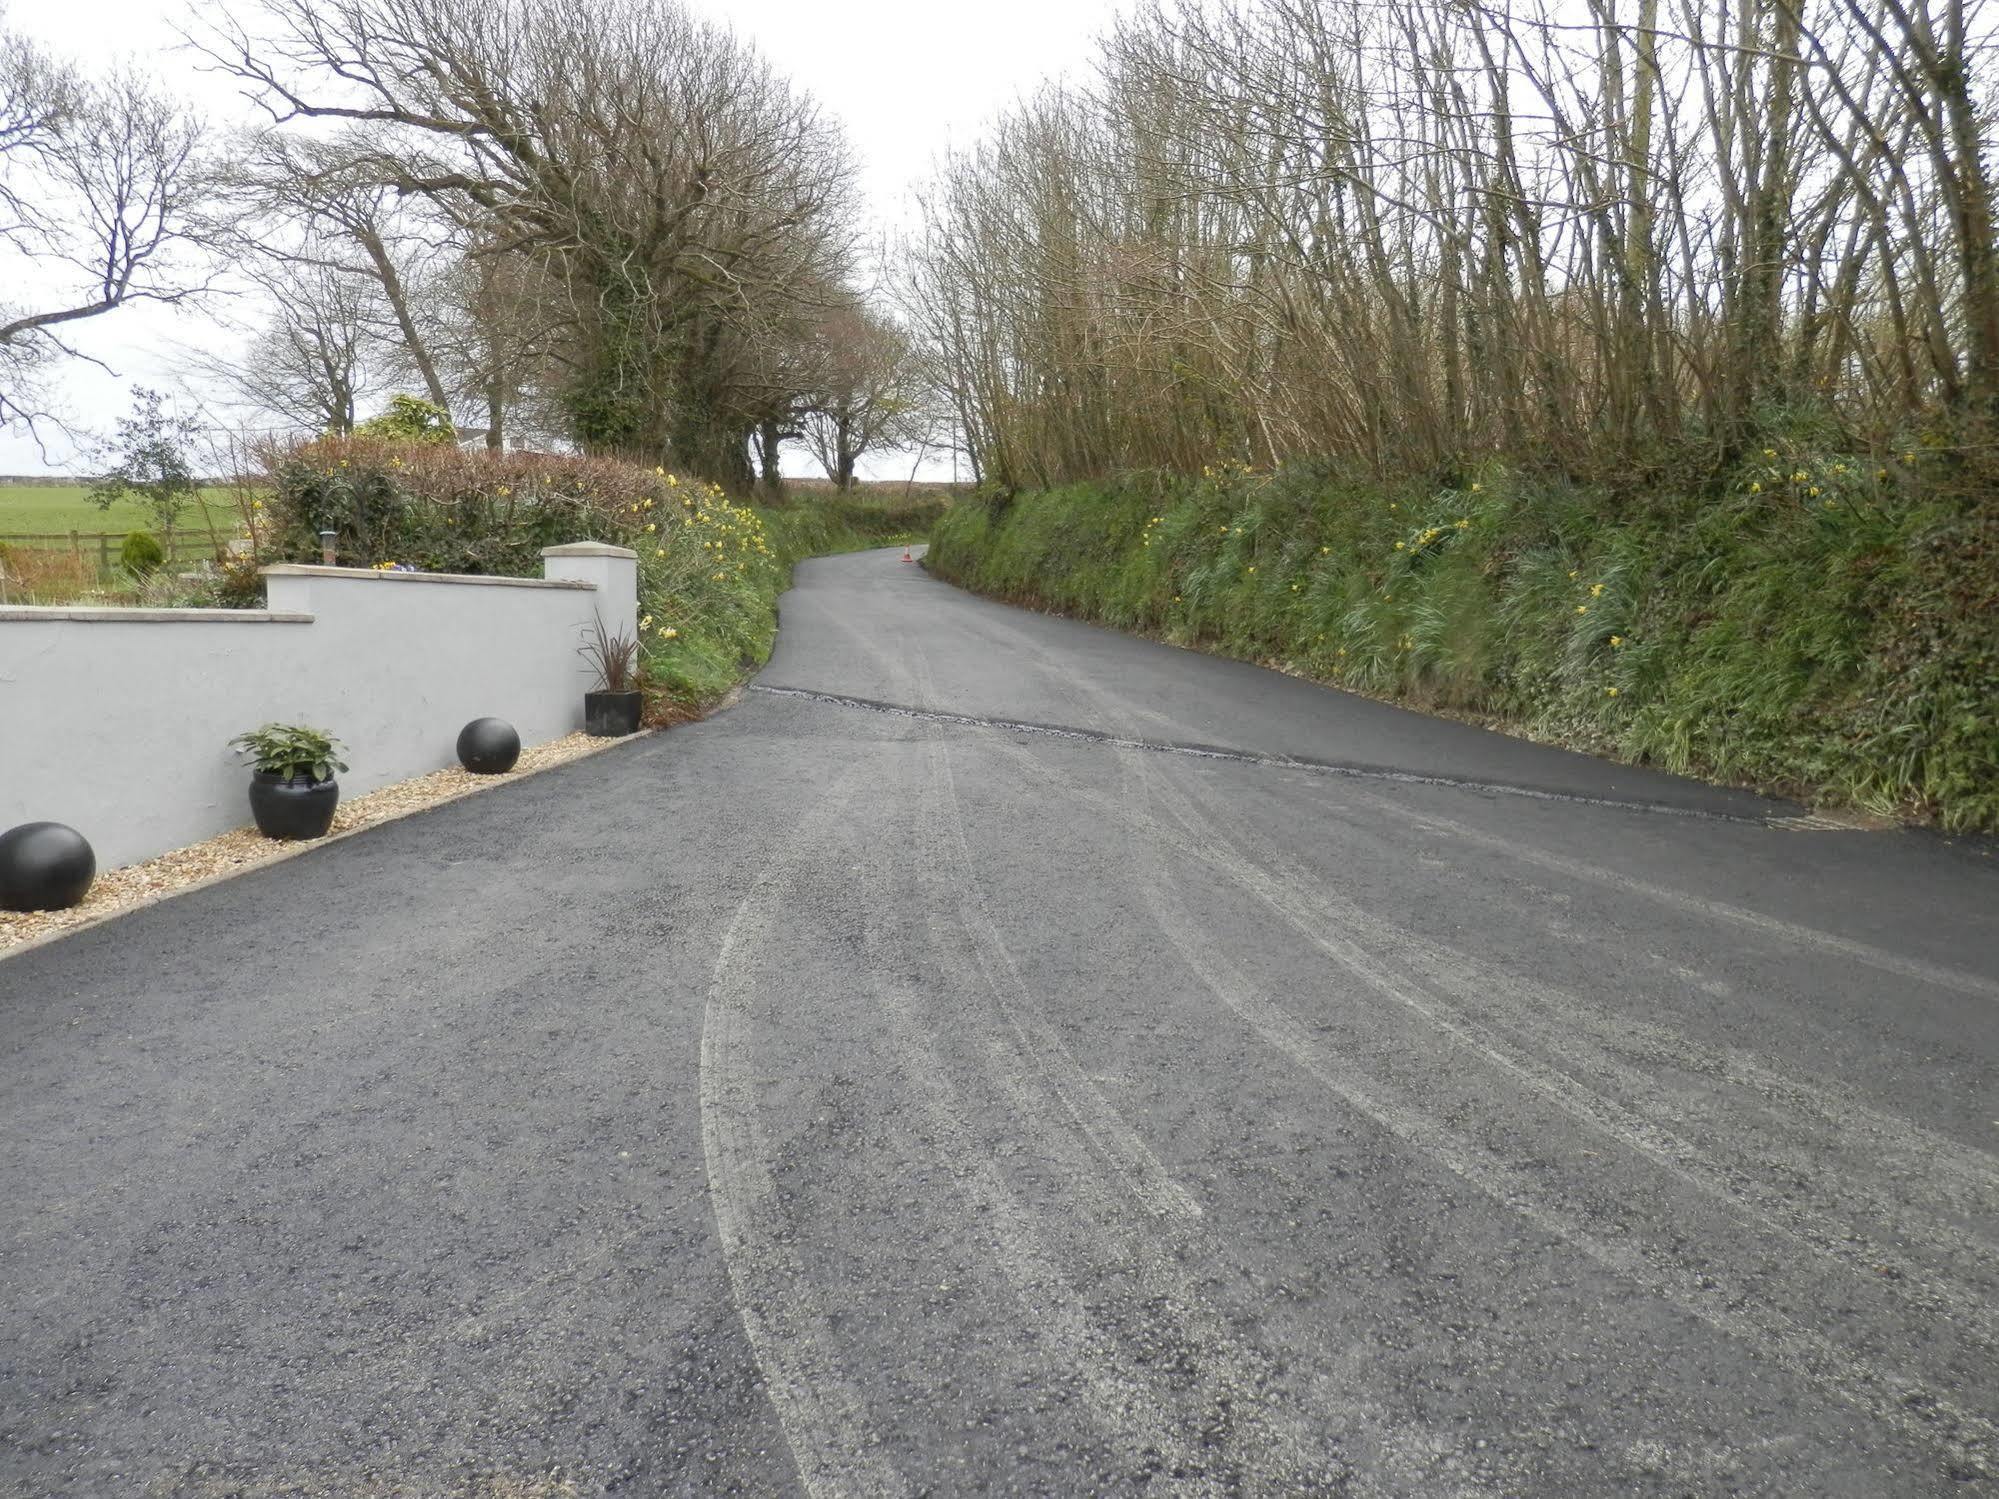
<point>281,850</point>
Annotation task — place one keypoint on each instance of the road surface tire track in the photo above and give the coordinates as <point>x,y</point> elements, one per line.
<point>832,1437</point>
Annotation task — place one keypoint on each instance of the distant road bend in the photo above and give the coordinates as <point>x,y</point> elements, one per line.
<point>1002,1056</point>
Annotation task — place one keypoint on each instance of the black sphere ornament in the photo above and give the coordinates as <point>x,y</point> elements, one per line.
<point>44,866</point>
<point>488,746</point>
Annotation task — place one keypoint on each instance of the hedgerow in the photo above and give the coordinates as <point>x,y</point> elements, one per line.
<point>710,569</point>
<point>1810,622</point>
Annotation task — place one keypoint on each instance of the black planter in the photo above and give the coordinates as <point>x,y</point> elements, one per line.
<point>488,746</point>
<point>44,866</point>
<point>294,809</point>
<point>609,714</point>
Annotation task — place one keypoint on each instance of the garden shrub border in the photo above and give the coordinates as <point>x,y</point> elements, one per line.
<point>711,568</point>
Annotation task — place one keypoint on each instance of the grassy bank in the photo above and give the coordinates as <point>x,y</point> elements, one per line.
<point>708,601</point>
<point>1813,623</point>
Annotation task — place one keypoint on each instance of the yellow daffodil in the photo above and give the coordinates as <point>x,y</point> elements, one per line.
<point>1612,691</point>
<point>1582,608</point>
<point>1616,641</point>
<point>1596,590</point>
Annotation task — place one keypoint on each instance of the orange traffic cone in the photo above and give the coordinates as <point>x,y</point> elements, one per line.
<point>905,555</point>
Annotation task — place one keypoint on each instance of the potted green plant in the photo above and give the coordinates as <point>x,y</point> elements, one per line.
<point>615,706</point>
<point>292,790</point>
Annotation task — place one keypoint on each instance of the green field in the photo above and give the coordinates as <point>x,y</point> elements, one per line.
<point>43,509</point>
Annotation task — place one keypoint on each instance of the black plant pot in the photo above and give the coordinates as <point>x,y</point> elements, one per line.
<point>609,714</point>
<point>294,809</point>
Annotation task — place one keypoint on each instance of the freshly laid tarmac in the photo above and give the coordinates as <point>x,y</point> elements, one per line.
<point>1000,1055</point>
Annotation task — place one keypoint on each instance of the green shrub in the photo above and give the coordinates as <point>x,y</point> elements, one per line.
<point>410,419</point>
<point>141,554</point>
<point>1807,620</point>
<point>444,509</point>
<point>239,581</point>
<point>291,750</point>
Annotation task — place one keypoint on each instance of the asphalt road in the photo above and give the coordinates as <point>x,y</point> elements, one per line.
<point>842,1099</point>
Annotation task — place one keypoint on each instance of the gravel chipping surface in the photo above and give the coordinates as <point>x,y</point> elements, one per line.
<point>239,849</point>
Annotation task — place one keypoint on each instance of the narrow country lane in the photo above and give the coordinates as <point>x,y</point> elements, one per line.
<point>1002,1056</point>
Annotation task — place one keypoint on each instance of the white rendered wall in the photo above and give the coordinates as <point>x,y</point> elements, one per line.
<point>117,721</point>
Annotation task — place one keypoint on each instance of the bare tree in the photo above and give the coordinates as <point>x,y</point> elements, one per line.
<point>304,203</point>
<point>673,188</point>
<point>98,186</point>
<point>1415,232</point>
<point>318,354</point>
<point>491,322</point>
<point>864,392</point>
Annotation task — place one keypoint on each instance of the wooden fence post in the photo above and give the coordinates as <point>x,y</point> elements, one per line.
<point>103,553</point>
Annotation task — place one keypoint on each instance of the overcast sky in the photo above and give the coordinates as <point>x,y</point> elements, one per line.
<point>907,78</point>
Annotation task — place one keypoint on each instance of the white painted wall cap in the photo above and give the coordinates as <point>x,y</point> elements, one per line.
<point>589,549</point>
<point>370,575</point>
<point>30,612</point>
